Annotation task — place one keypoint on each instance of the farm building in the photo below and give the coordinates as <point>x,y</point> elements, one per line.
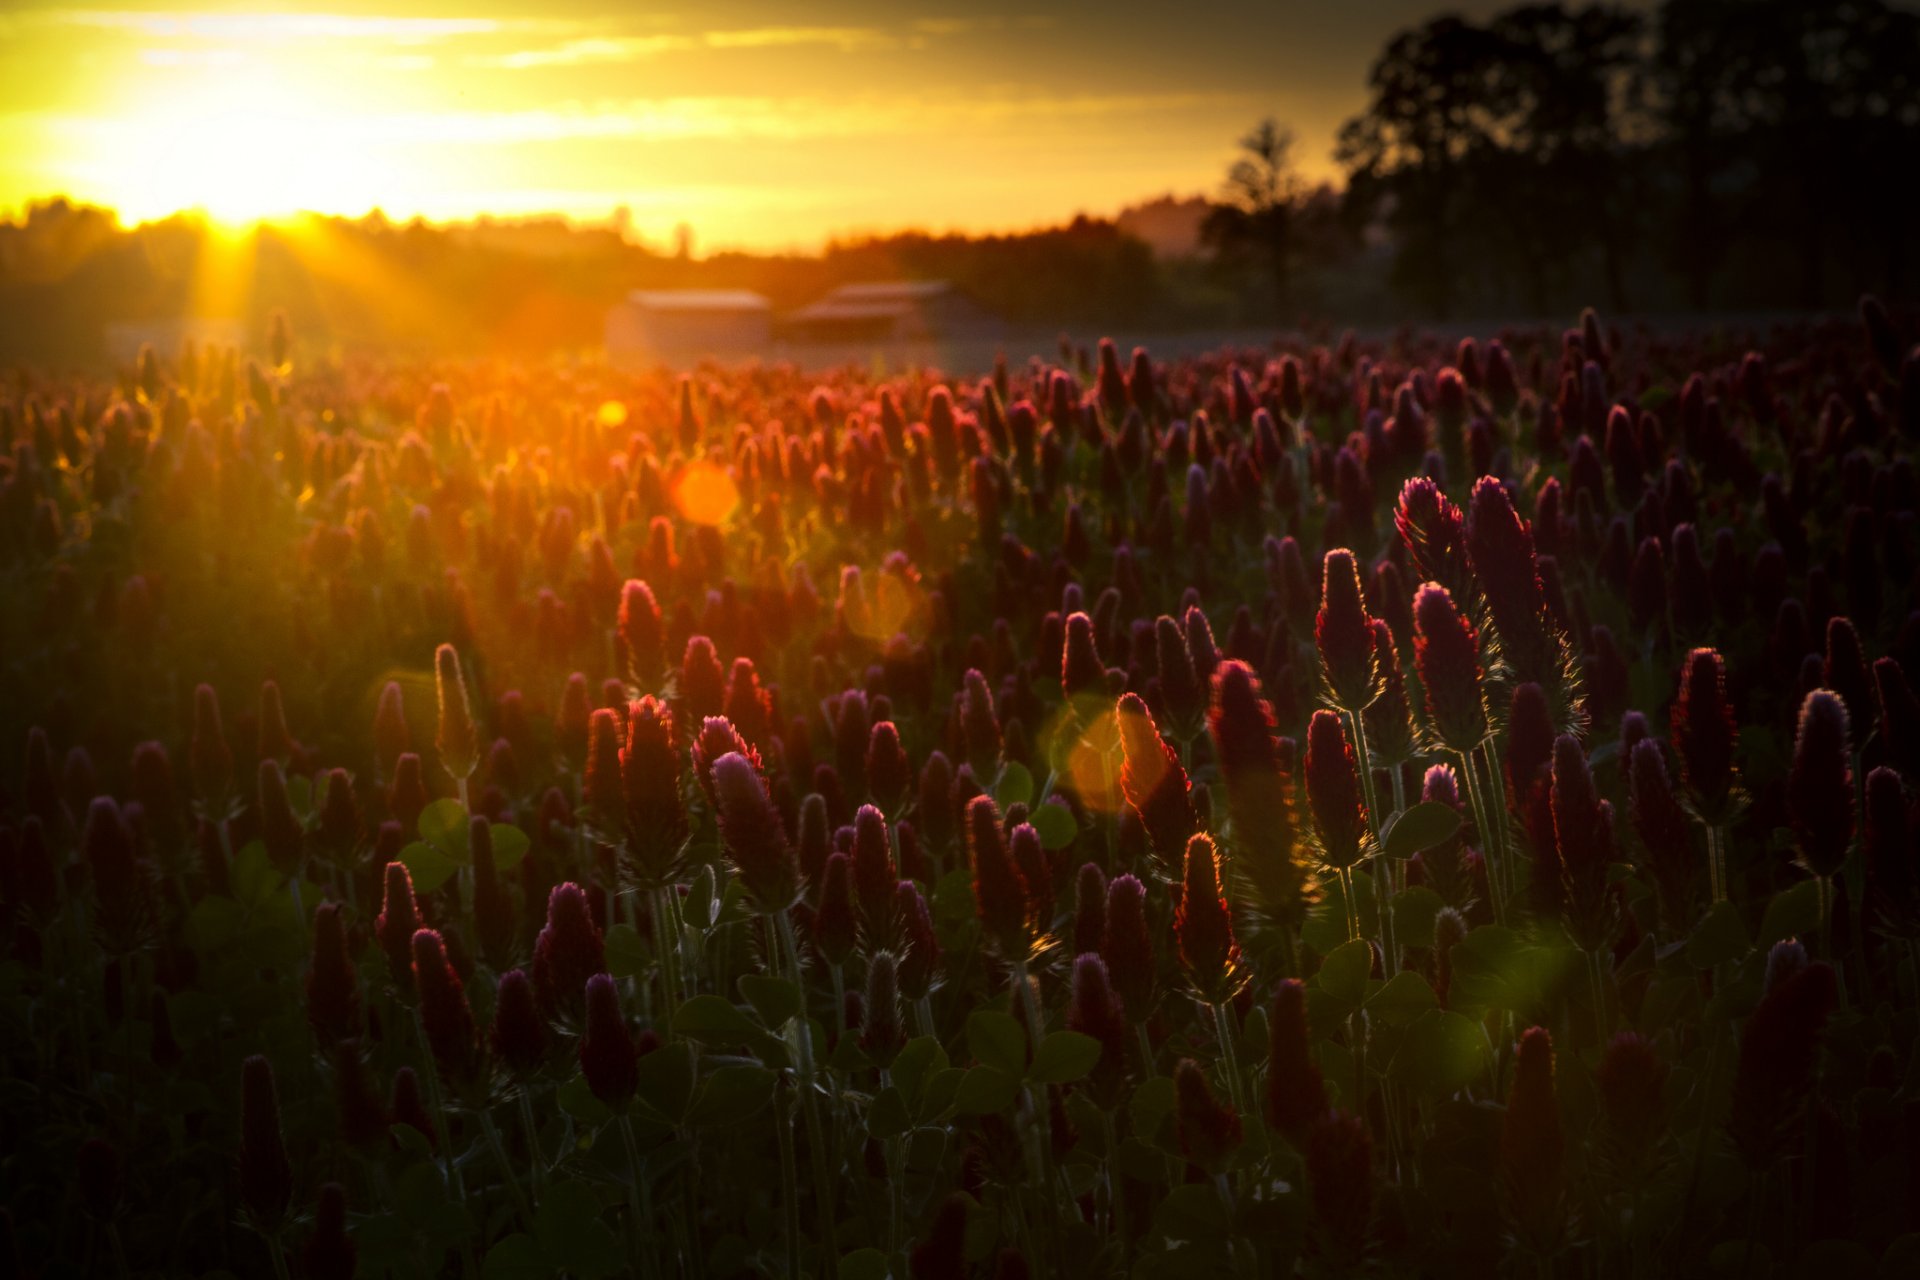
<point>652,325</point>
<point>890,312</point>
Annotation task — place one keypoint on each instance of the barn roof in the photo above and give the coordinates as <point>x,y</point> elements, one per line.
<point>698,300</point>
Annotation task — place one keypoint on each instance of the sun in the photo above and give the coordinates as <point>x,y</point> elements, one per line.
<point>242,145</point>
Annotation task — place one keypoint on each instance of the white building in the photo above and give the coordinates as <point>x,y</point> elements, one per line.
<point>655,326</point>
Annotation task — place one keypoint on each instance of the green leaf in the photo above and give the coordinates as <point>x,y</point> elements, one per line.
<point>986,1090</point>
<point>864,1264</point>
<point>300,797</point>
<point>1404,997</point>
<point>1719,938</point>
<point>1793,912</point>
<point>627,952</point>
<point>510,845</point>
<point>1421,828</point>
<point>733,1093</point>
<point>253,878</point>
<point>775,999</point>
<point>917,1060</point>
<point>1194,1213</point>
<point>411,1140</point>
<point>571,1234</point>
<point>1063,1057</point>
<point>1441,1052</point>
<point>1014,786</point>
<point>1151,1107</point>
<point>516,1258</point>
<point>942,1087</point>
<point>1343,975</point>
<point>666,1081</point>
<point>887,1115</point>
<point>577,1100</point>
<point>214,922</point>
<point>1413,911</point>
<point>428,865</point>
<point>710,1019</point>
<point>1055,824</point>
<point>701,907</point>
<point>996,1040</point>
<point>443,824</point>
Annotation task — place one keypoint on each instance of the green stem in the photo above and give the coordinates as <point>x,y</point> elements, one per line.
<point>1116,1185</point>
<point>1230,1055</point>
<point>666,944</point>
<point>279,1257</point>
<point>1350,902</point>
<point>1597,980</point>
<point>1147,1071</point>
<point>1482,819</point>
<point>640,1216</point>
<point>1717,863</point>
<point>520,1201</point>
<point>534,1157</point>
<point>431,1070</point>
<point>816,1138</point>
<point>789,1189</point>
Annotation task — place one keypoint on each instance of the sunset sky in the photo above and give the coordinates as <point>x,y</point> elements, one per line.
<point>762,125</point>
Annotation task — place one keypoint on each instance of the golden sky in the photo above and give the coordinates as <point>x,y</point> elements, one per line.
<point>762,125</point>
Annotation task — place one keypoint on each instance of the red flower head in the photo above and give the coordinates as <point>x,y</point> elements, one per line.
<point>333,988</point>
<point>933,810</point>
<point>747,705</point>
<point>1446,653</point>
<point>1500,550</point>
<point>1333,791</point>
<point>834,928</point>
<point>608,1058</point>
<point>1179,683</point>
<point>1389,721</point>
<point>881,1034</point>
<point>456,739</point>
<point>209,758</point>
<point>570,722</point>
<point>443,1009</point>
<point>656,817</point>
<point>1095,1010</point>
<point>266,1175</point>
<point>1259,787</point>
<point>1779,1052</point>
<point>1153,781</point>
<point>716,738</point>
<point>395,925</point>
<point>1434,533</point>
<point>340,827</point>
<point>1340,1172</point>
<point>1203,925</point>
<point>1890,845</point>
<point>1533,1145</point>
<point>1703,734</point>
<point>752,832</point>
<point>874,874</point>
<point>519,1034</point>
<point>1344,634</point>
<point>600,789</point>
<point>889,773</point>
<point>1082,674</point>
<point>1583,835</point>
<point>1089,908</point>
<point>409,1108</point>
<point>1820,784</point>
<point>703,682</point>
<point>999,890</point>
<point>1296,1095</point>
<point>331,1253</point>
<point>922,956</point>
<point>641,634</point>
<point>1632,1083</point>
<point>1663,829</point>
<point>979,726</point>
<point>1208,1129</point>
<point>1127,946</point>
<point>120,889</point>
<point>568,951</point>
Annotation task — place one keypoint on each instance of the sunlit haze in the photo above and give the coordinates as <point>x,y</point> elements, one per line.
<point>758,124</point>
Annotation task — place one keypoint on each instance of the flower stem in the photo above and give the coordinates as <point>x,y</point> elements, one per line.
<point>1482,819</point>
<point>520,1200</point>
<point>666,944</point>
<point>640,1217</point>
<point>431,1070</point>
<point>789,1189</point>
<point>534,1158</point>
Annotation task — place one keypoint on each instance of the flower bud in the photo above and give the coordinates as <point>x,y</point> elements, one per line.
<point>922,955</point>
<point>1208,1130</point>
<point>608,1058</point>
<point>394,927</point>
<point>1333,791</point>
<point>331,1253</point>
<point>754,836</point>
<point>333,987</point>
<point>1779,1053</point>
<point>1095,1011</point>
<point>1089,908</point>
<point>266,1175</point>
<point>1632,1083</point>
<point>641,635</point>
<point>1434,532</point>
<point>1533,1144</point>
<point>1127,947</point>
<point>209,758</point>
<point>568,951</point>
<point>1203,925</point>
<point>881,1034</point>
<point>1664,831</point>
<point>1343,633</point>
<point>1296,1094</point>
<point>1154,781</point>
<point>999,889</point>
<point>1446,653</point>
<point>1583,836</point>
<point>1703,735</point>
<point>444,1012</point>
<point>1820,784</point>
<point>1339,1160</point>
<point>456,739</point>
<point>518,1036</point>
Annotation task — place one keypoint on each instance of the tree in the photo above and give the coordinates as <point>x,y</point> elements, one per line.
<point>1259,207</point>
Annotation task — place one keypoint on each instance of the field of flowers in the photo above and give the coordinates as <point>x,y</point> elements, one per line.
<point>1403,807</point>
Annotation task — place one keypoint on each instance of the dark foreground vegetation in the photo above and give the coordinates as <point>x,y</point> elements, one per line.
<point>1430,810</point>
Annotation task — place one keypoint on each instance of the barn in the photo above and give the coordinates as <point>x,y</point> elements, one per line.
<point>895,312</point>
<point>655,326</point>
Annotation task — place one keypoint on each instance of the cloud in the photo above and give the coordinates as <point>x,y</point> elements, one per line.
<point>274,27</point>
<point>594,49</point>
